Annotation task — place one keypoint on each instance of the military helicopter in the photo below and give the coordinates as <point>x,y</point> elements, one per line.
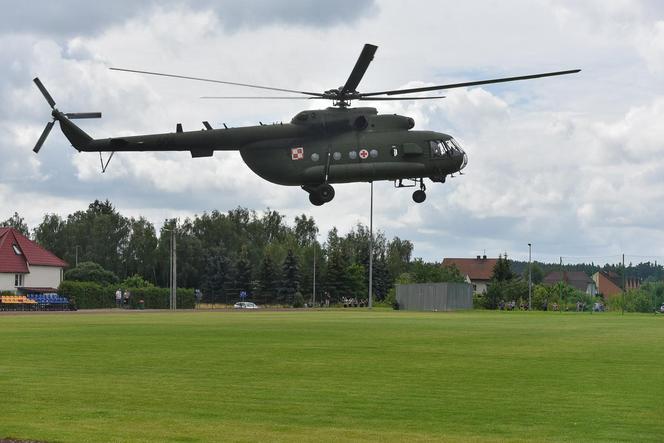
<point>317,148</point>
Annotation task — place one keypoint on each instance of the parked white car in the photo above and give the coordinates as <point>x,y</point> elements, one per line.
<point>245,305</point>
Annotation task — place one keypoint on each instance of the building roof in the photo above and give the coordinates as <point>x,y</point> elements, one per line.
<point>480,268</point>
<point>17,252</point>
<point>576,279</point>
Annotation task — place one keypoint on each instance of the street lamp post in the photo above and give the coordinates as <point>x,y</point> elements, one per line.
<point>530,278</point>
<point>173,271</point>
<point>371,249</point>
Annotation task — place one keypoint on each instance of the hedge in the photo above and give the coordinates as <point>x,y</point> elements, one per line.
<point>90,295</point>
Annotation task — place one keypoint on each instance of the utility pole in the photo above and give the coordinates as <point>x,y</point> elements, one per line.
<point>174,271</point>
<point>560,287</point>
<point>623,285</point>
<point>530,278</point>
<point>371,249</point>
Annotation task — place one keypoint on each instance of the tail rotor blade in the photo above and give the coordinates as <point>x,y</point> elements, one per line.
<point>41,140</point>
<point>44,92</point>
<point>73,115</point>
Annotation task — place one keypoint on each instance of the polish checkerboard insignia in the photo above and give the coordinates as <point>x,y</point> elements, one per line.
<point>297,153</point>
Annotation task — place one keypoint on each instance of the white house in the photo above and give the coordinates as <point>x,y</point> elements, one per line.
<point>27,267</point>
<point>476,271</point>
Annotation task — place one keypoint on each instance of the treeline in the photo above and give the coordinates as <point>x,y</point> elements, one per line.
<point>239,250</point>
<point>645,272</point>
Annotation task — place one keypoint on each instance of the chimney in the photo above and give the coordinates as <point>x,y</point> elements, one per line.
<point>484,257</point>
<point>478,257</point>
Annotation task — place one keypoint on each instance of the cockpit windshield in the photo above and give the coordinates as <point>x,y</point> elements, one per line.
<point>440,148</point>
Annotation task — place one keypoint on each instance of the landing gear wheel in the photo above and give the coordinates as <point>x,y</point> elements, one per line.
<point>419,196</point>
<point>325,192</point>
<point>315,200</point>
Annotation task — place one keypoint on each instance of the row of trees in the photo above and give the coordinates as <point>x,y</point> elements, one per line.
<point>507,285</point>
<point>226,253</point>
<point>645,271</point>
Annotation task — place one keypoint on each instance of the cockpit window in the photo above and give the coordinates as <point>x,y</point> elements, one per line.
<point>440,148</point>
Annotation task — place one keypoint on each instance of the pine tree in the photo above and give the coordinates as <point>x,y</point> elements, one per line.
<point>337,279</point>
<point>216,278</point>
<point>291,279</point>
<point>268,280</point>
<point>243,275</point>
<point>502,270</point>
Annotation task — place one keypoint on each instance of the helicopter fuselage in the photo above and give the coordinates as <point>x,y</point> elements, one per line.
<point>318,146</point>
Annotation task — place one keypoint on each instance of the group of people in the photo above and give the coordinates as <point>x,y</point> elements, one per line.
<point>122,298</point>
<point>511,305</point>
<point>353,302</point>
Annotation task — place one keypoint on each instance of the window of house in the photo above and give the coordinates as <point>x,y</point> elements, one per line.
<point>17,251</point>
<point>18,280</point>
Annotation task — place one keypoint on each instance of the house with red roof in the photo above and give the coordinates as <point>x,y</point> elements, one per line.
<point>476,271</point>
<point>610,284</point>
<point>579,280</point>
<point>26,267</point>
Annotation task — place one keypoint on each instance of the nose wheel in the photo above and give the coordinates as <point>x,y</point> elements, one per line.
<point>420,195</point>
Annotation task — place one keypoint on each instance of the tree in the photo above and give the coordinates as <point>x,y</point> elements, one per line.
<point>504,285</point>
<point>398,255</point>
<point>268,280</point>
<point>91,272</point>
<point>290,280</point>
<point>215,277</point>
<point>502,271</point>
<point>51,235</point>
<point>17,222</point>
<point>100,234</point>
<point>136,281</point>
<point>382,282</point>
<point>140,254</point>
<point>337,279</point>
<point>305,230</point>
<point>537,275</point>
<point>243,275</point>
<point>356,281</point>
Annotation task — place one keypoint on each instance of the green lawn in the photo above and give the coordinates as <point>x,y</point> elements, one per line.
<point>332,376</point>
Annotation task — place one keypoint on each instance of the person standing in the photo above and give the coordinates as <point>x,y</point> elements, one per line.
<point>118,298</point>
<point>126,299</point>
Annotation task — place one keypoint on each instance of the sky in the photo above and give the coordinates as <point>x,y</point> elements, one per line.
<point>572,164</point>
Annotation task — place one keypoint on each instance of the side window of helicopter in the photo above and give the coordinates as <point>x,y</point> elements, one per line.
<point>394,151</point>
<point>437,148</point>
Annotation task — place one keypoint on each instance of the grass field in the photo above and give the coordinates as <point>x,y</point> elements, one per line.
<point>331,376</point>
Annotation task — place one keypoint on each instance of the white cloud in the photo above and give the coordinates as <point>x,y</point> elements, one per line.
<point>563,162</point>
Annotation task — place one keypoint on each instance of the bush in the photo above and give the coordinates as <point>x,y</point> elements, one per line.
<point>90,295</point>
<point>635,300</point>
<point>91,272</point>
<point>298,300</point>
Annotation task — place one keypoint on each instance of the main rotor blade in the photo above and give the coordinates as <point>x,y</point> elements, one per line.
<point>73,115</point>
<point>398,98</point>
<point>316,94</point>
<point>360,68</point>
<point>44,92</point>
<point>259,98</point>
<point>464,84</point>
<point>43,136</point>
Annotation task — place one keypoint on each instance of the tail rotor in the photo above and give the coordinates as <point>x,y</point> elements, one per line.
<point>57,115</point>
